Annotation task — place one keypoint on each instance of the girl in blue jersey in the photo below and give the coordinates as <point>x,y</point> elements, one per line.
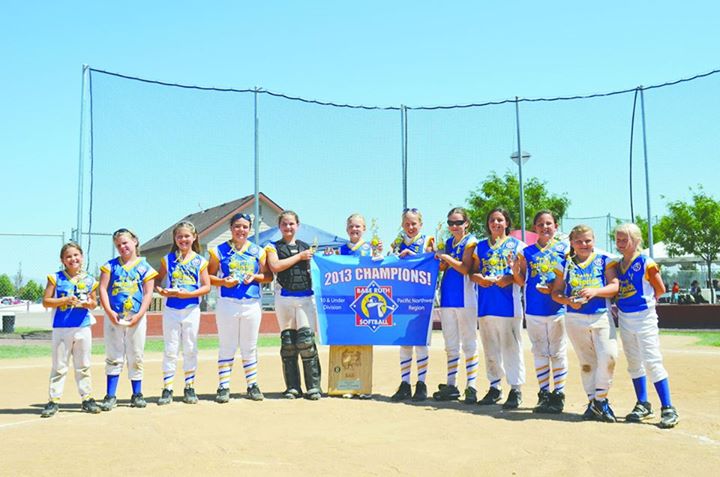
<point>71,293</point>
<point>237,267</point>
<point>187,281</point>
<point>411,242</point>
<point>585,285</point>
<point>640,286</point>
<point>500,309</point>
<point>458,307</point>
<point>289,258</point>
<point>126,286</point>
<point>355,228</point>
<point>545,318</point>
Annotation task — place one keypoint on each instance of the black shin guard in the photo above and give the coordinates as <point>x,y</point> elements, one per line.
<point>289,355</point>
<point>311,362</point>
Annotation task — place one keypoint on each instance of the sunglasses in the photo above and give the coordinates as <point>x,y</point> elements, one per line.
<point>119,232</point>
<point>413,210</point>
<point>243,216</point>
<point>456,223</point>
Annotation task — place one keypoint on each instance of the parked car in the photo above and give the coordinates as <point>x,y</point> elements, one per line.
<point>10,300</point>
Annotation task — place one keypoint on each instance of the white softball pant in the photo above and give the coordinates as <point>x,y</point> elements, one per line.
<point>180,326</point>
<point>641,342</point>
<point>549,348</point>
<point>295,312</point>
<point>238,324</point>
<point>125,341</point>
<point>594,339</point>
<point>75,343</point>
<point>502,345</point>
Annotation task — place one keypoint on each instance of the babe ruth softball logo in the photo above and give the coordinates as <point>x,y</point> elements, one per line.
<point>373,306</point>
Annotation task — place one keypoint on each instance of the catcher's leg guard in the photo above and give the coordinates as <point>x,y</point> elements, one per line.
<point>291,370</point>
<point>311,363</point>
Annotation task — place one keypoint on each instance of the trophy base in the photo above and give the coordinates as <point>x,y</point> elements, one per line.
<point>491,278</point>
<point>123,323</point>
<point>377,258</point>
<point>579,300</point>
<point>172,290</point>
<point>542,287</point>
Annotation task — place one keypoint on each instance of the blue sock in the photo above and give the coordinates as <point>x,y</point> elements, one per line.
<point>112,382</point>
<point>640,385</point>
<point>663,389</point>
<point>136,386</point>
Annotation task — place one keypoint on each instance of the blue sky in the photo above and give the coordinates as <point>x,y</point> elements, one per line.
<point>375,53</point>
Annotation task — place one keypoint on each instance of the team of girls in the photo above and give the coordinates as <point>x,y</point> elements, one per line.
<point>567,292</point>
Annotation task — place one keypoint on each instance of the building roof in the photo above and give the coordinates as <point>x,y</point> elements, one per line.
<point>207,220</point>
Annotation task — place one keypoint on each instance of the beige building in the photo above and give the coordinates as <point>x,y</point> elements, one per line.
<point>212,225</point>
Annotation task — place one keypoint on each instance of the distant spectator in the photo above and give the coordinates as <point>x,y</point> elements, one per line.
<point>675,292</point>
<point>696,293</point>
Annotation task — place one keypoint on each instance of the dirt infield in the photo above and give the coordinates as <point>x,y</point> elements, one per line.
<point>355,437</point>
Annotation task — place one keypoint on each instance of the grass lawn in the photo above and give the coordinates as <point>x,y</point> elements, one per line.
<point>705,338</point>
<point>153,344</point>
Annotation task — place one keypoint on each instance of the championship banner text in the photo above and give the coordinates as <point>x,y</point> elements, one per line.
<point>361,301</point>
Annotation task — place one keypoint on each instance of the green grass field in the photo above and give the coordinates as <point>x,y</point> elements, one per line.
<point>704,338</point>
<point>152,345</point>
<point>30,350</point>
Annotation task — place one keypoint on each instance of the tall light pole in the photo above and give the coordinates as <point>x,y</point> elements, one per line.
<point>520,159</point>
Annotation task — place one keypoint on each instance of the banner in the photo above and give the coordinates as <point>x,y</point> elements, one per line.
<point>365,302</point>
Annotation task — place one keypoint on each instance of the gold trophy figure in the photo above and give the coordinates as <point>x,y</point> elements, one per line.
<point>124,315</point>
<point>494,267</point>
<point>81,289</point>
<point>439,244</point>
<point>376,254</point>
<point>315,245</point>
<point>175,281</point>
<point>575,289</point>
<point>546,275</point>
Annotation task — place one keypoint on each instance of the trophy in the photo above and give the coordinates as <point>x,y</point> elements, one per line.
<point>81,289</point>
<point>494,267</point>
<point>546,275</point>
<point>235,271</point>
<point>575,288</point>
<point>314,246</point>
<point>439,245</point>
<point>124,315</point>
<point>376,254</point>
<point>175,281</point>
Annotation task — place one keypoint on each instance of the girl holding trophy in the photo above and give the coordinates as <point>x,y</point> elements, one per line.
<point>458,306</point>
<point>237,267</point>
<point>640,286</point>
<point>188,280</point>
<point>126,286</point>
<point>71,293</point>
<point>500,309</point>
<point>545,318</point>
<point>585,284</point>
<point>289,258</point>
<point>411,242</point>
<point>355,228</point>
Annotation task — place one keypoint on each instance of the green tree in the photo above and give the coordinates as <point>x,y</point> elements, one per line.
<point>658,234</point>
<point>497,191</point>
<point>694,228</point>
<point>32,291</point>
<point>6,286</point>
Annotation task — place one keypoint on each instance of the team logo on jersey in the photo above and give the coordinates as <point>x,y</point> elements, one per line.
<point>373,306</point>
<point>598,262</point>
<point>637,267</point>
